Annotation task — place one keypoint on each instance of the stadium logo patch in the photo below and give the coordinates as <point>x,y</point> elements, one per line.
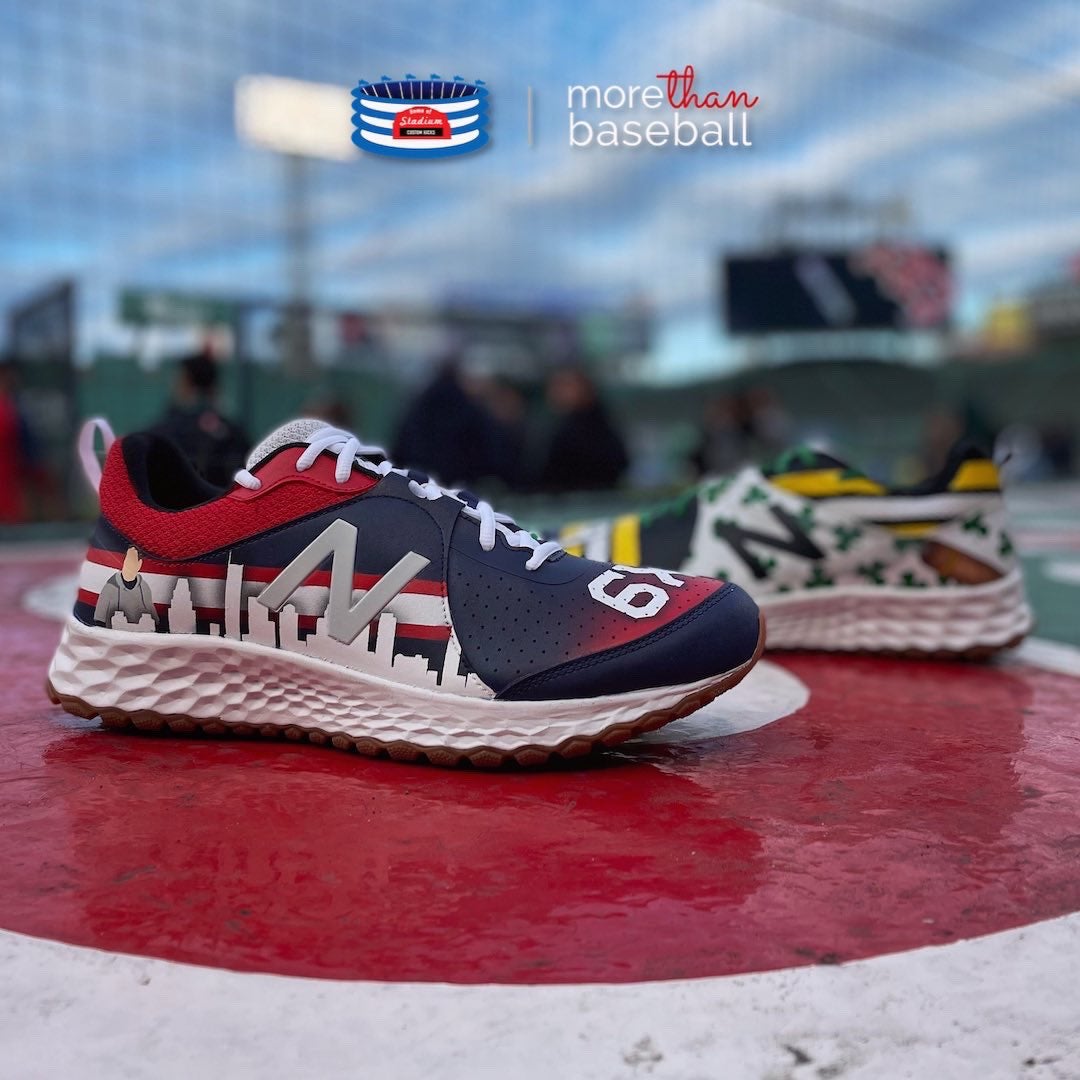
<point>420,118</point>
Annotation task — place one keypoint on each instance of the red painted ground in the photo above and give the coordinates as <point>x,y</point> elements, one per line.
<point>907,804</point>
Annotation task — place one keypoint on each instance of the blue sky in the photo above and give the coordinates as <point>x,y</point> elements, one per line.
<point>121,165</point>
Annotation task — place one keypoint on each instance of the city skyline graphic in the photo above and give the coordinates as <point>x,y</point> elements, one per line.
<point>373,652</point>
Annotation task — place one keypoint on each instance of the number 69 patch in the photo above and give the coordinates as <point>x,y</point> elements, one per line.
<point>638,599</point>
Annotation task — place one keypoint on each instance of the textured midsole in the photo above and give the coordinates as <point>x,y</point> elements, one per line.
<point>246,683</point>
<point>867,618</point>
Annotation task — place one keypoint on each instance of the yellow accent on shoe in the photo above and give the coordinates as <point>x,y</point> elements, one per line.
<point>571,539</point>
<point>626,540</point>
<point>825,483</point>
<point>979,474</point>
<point>912,529</point>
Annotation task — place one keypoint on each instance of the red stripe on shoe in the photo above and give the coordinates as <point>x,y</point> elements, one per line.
<point>321,578</point>
<point>417,631</point>
<point>217,572</point>
<point>425,633</point>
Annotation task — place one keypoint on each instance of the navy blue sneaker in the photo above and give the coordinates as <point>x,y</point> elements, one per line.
<point>330,596</point>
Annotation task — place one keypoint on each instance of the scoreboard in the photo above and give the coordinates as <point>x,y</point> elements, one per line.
<point>882,286</point>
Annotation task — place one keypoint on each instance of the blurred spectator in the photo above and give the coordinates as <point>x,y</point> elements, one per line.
<point>331,408</point>
<point>12,469</point>
<point>505,405</point>
<point>1026,454</point>
<point>740,427</point>
<point>446,430</point>
<point>1019,455</point>
<point>766,425</point>
<point>944,426</point>
<point>20,459</point>
<point>1059,446</point>
<point>722,445</point>
<point>214,444</point>
<point>941,429</point>
<point>586,452</point>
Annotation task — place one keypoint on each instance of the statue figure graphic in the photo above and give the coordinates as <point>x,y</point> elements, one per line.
<point>125,592</point>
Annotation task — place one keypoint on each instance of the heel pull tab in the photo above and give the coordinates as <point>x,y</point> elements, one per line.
<point>87,455</point>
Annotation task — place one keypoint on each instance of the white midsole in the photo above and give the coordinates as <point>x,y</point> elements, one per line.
<point>246,683</point>
<point>869,617</point>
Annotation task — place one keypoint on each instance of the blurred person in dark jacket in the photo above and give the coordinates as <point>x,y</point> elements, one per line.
<point>214,444</point>
<point>722,445</point>
<point>586,452</point>
<point>446,430</point>
<point>1059,446</point>
<point>766,424</point>
<point>506,408</point>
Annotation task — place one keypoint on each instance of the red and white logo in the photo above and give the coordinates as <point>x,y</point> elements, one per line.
<point>421,122</point>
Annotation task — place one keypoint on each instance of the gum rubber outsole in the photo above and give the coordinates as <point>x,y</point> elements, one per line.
<point>482,757</point>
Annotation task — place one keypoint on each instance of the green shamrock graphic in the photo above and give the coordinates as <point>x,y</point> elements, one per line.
<point>754,494</point>
<point>976,524</point>
<point>846,535</point>
<point>910,581</point>
<point>1005,546</point>
<point>714,490</point>
<point>818,578</point>
<point>873,572</point>
<point>799,455</point>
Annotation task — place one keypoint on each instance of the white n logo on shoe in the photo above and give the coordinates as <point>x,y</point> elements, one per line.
<point>344,620</point>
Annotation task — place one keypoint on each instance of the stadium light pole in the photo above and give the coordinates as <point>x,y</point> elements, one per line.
<point>300,121</point>
<point>297,332</point>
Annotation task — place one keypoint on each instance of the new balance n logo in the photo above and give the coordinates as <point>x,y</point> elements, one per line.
<point>796,542</point>
<point>344,620</point>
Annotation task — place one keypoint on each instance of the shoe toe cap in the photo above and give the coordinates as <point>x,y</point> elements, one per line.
<point>719,634</point>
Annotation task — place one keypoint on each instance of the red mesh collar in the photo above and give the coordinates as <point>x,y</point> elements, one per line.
<point>186,534</point>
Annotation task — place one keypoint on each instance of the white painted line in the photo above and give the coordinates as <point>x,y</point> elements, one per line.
<point>1053,656</point>
<point>30,551</point>
<point>1066,571</point>
<point>983,1008</point>
<point>1047,539</point>
<point>52,599</point>
<point>767,694</point>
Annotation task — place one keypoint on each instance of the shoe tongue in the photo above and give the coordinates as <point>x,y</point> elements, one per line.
<point>803,459</point>
<point>295,431</point>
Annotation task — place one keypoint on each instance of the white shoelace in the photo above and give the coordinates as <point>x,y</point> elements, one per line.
<point>350,452</point>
